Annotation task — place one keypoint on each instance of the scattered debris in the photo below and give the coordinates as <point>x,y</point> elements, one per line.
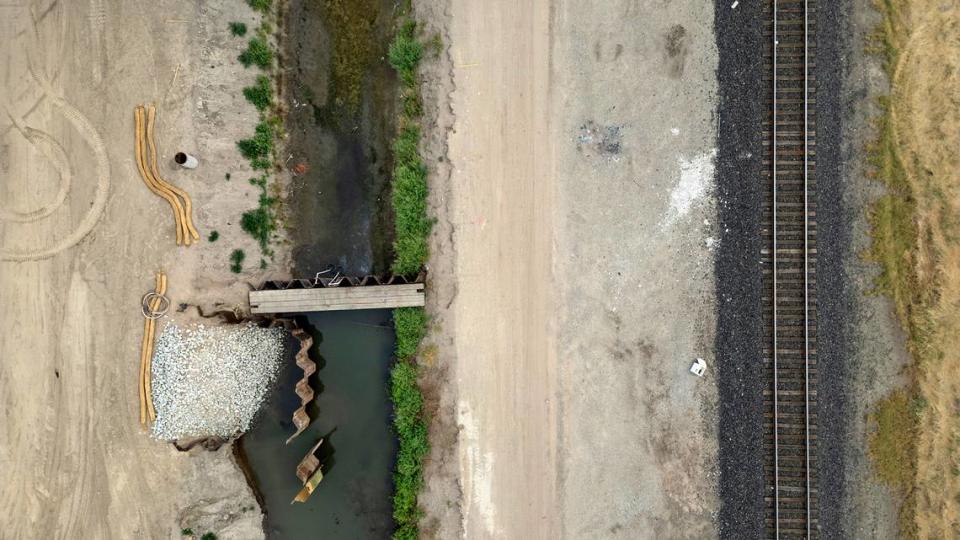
<point>310,473</point>
<point>185,160</point>
<point>699,367</point>
<point>300,169</point>
<point>695,183</point>
<point>605,140</point>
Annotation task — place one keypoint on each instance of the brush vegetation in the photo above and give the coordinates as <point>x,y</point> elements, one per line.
<point>238,29</point>
<point>412,433</point>
<point>260,94</point>
<point>411,326</point>
<point>892,446</point>
<point>263,6</point>
<point>913,228</point>
<point>411,224</point>
<point>259,148</point>
<point>236,261</point>
<point>405,53</point>
<point>412,230</point>
<point>263,221</point>
<point>258,53</point>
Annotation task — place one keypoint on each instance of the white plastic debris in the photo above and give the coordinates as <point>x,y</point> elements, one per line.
<point>735,4</point>
<point>699,367</point>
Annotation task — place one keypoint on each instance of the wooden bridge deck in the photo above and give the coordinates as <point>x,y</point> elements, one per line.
<point>337,298</point>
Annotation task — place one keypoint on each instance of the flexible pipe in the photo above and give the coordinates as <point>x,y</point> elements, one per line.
<point>148,180</point>
<point>143,364</point>
<point>148,383</point>
<point>187,211</point>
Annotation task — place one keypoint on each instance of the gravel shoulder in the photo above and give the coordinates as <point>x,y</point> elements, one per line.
<point>836,295</point>
<point>873,345</point>
<point>738,272</point>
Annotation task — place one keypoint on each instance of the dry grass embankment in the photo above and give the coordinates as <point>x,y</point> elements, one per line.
<point>916,241</point>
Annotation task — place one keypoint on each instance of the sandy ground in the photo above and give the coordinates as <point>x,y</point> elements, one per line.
<point>74,462</point>
<point>572,277</point>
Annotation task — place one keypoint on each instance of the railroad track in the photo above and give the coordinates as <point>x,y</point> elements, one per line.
<point>789,270</point>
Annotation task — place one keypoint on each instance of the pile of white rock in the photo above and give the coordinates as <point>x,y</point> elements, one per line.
<point>212,380</point>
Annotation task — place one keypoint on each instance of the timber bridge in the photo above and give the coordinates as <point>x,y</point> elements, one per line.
<point>338,293</point>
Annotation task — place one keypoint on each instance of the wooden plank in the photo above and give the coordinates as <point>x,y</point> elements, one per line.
<point>381,300</point>
<point>337,292</point>
<point>308,307</point>
<point>333,296</point>
<point>337,298</point>
<point>332,299</point>
<point>350,289</point>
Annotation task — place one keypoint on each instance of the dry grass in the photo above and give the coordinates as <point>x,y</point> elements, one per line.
<point>916,230</point>
<point>894,450</point>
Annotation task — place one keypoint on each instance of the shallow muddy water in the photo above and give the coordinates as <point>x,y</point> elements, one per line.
<point>339,95</point>
<point>352,414</point>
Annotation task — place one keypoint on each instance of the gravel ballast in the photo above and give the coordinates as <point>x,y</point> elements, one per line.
<point>738,272</point>
<point>211,381</point>
<point>835,289</point>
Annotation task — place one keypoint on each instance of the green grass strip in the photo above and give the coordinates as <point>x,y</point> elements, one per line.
<point>408,422</point>
<point>412,229</point>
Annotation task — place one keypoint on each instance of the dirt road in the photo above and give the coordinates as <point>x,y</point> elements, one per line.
<point>505,329</point>
<point>80,239</point>
<point>578,214</point>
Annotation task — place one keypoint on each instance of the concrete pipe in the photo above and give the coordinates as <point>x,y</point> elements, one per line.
<point>186,160</point>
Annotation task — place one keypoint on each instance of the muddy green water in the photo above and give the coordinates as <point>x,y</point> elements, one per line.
<point>339,97</point>
<point>352,413</point>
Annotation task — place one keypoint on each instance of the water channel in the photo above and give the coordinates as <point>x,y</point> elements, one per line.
<point>352,414</point>
<point>340,96</point>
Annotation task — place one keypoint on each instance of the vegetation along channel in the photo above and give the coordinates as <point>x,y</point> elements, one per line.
<point>356,206</point>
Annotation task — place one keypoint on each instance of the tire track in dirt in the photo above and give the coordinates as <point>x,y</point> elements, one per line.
<point>101,164</point>
<point>97,18</point>
<point>75,444</point>
<point>53,151</point>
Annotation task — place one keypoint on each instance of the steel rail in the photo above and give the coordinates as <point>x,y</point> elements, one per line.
<point>776,420</point>
<point>806,261</point>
